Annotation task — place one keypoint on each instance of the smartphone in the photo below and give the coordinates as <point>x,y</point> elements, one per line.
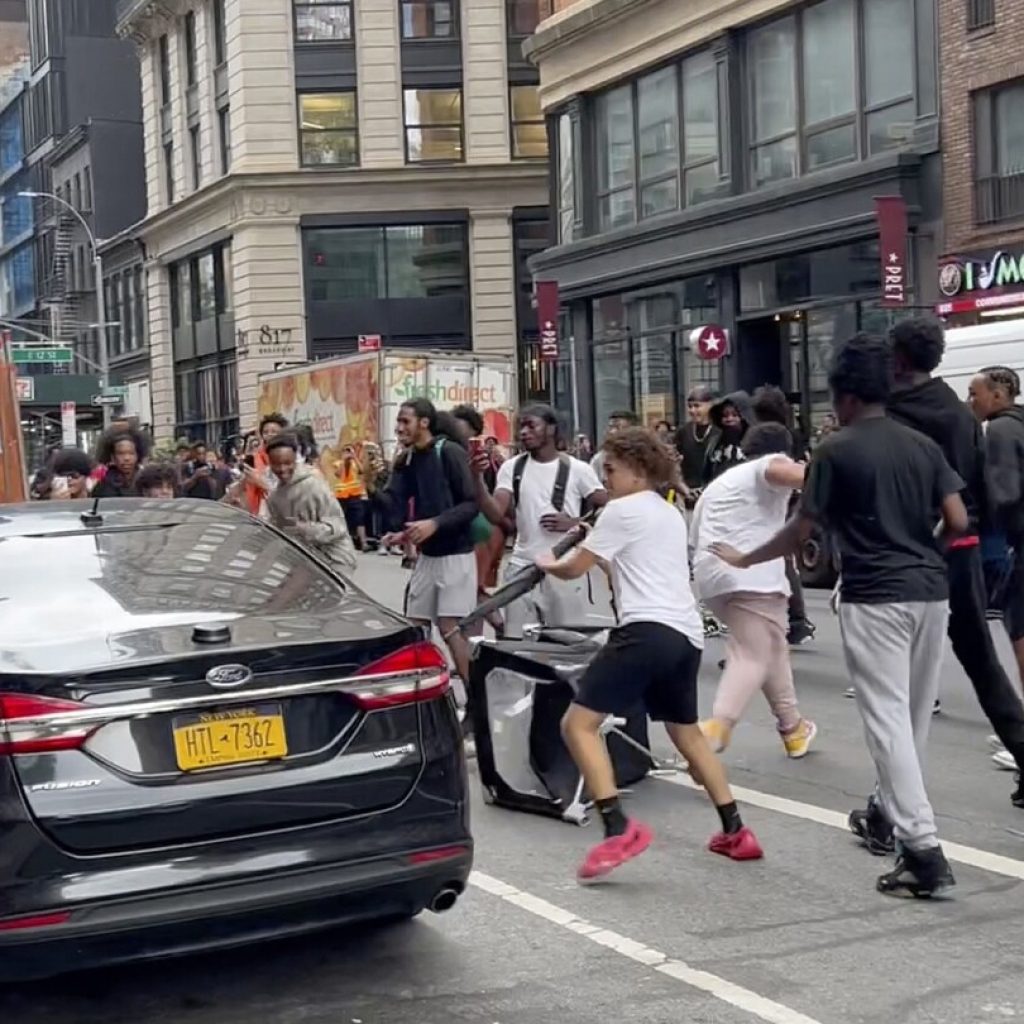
<point>476,445</point>
<point>59,483</point>
<point>250,461</point>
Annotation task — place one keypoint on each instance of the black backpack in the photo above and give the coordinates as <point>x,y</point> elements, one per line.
<point>561,480</point>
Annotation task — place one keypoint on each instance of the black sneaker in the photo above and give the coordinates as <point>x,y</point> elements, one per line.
<point>1017,799</point>
<point>872,829</point>
<point>921,874</point>
<point>800,633</point>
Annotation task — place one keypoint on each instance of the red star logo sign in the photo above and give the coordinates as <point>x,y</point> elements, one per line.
<point>711,342</point>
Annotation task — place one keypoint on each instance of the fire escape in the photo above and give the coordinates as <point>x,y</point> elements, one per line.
<point>61,287</point>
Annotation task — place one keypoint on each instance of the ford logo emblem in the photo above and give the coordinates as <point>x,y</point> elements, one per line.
<point>227,677</point>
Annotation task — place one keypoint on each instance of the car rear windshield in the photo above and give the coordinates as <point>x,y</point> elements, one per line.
<point>112,580</point>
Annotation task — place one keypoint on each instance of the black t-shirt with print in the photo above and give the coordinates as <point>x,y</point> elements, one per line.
<point>878,485</point>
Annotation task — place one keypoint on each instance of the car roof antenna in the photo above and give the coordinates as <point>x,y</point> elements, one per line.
<point>93,517</point>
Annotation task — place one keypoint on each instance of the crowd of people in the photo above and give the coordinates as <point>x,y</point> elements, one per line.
<point>696,529</point>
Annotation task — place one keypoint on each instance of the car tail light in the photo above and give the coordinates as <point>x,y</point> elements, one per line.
<point>33,725</point>
<point>443,853</point>
<point>415,673</point>
<point>16,924</point>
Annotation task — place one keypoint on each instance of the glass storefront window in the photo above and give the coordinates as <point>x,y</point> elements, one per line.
<point>611,385</point>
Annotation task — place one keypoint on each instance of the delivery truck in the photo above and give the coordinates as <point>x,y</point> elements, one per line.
<point>355,399</point>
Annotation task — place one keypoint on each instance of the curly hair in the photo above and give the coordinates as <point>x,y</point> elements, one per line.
<point>1002,377</point>
<point>920,341</point>
<point>471,417</point>
<point>643,452</point>
<point>157,474</point>
<point>71,461</point>
<point>111,438</point>
<point>862,368</point>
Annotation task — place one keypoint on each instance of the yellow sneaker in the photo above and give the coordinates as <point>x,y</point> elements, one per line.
<point>717,733</point>
<point>798,742</point>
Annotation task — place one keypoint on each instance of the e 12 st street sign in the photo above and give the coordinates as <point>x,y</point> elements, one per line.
<point>42,355</point>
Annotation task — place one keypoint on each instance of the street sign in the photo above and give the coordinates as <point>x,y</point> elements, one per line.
<point>69,424</point>
<point>26,388</point>
<point>119,391</point>
<point>42,355</point>
<point>107,399</point>
<point>369,342</point>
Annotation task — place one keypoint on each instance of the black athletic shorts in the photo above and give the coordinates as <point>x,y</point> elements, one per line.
<point>1013,607</point>
<point>646,664</point>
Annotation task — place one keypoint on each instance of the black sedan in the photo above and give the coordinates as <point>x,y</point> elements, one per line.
<point>207,738</point>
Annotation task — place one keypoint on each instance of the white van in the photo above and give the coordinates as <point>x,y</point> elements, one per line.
<point>968,349</point>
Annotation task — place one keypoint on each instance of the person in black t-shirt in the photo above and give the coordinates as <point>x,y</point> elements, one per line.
<point>694,438</point>
<point>885,491</point>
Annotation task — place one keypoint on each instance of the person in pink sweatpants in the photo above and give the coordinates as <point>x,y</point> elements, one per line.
<point>743,507</point>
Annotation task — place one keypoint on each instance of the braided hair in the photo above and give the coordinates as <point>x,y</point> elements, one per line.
<point>1002,377</point>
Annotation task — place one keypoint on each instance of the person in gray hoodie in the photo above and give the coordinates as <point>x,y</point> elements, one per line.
<point>732,417</point>
<point>303,506</point>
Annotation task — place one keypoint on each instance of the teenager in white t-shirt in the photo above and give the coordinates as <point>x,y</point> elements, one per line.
<point>744,507</point>
<point>652,657</point>
<point>538,525</point>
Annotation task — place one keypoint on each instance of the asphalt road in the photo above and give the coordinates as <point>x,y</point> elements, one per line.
<point>799,938</point>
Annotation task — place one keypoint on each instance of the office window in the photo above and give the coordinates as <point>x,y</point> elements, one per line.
<point>829,84</point>
<point>164,62</point>
<point>701,129</point>
<point>429,19</point>
<point>413,261</point>
<point>139,311</point>
<point>169,171</point>
<point>523,17</point>
<point>566,179</point>
<point>616,199</point>
<point>87,188</point>
<point>220,32</point>
<point>999,153</point>
<point>195,155</point>
<point>224,130</point>
<point>980,14</point>
<point>190,48</point>
<point>433,125</point>
<point>319,21</point>
<point>773,83</point>
<point>658,124</point>
<point>329,131</point>
<point>76,191</point>
<point>529,133</point>
<point>888,73</point>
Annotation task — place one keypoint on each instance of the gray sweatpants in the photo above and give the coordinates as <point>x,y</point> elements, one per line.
<point>894,656</point>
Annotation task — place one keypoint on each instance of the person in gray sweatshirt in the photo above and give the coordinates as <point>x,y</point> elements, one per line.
<point>303,506</point>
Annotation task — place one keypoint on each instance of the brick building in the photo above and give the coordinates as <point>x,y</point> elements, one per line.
<point>981,270</point>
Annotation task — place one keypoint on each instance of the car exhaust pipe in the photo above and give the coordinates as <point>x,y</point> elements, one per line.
<point>444,899</point>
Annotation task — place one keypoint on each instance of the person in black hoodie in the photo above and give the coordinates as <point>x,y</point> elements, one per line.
<point>431,500</point>
<point>731,417</point>
<point>122,449</point>
<point>930,406</point>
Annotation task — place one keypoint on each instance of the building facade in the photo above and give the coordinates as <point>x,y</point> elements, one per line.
<point>980,271</point>
<point>318,171</point>
<point>718,164</point>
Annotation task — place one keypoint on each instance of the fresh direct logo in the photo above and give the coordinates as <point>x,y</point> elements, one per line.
<point>456,394</point>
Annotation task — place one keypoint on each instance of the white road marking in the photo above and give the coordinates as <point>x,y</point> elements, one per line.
<point>720,988</point>
<point>995,863</point>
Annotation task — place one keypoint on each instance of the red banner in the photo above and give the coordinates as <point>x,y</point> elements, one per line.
<point>547,320</point>
<point>892,243</point>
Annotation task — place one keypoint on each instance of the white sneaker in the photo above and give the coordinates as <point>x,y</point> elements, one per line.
<point>383,551</point>
<point>1003,760</point>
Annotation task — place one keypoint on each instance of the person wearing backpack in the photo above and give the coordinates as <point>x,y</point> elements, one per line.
<point>432,504</point>
<point>541,495</point>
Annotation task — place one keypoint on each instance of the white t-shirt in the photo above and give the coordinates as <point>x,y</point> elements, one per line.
<point>643,538</point>
<point>743,509</point>
<point>535,490</point>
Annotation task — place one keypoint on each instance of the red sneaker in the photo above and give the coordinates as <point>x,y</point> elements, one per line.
<point>614,851</point>
<point>742,845</point>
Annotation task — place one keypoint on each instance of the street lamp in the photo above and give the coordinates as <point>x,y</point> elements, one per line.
<point>101,304</point>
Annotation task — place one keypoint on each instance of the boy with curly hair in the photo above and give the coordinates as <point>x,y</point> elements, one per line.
<point>652,656</point>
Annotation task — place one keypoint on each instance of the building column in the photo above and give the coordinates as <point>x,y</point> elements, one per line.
<point>493,283</point>
<point>485,82</point>
<point>380,86</point>
<point>161,352</point>
<point>268,300</point>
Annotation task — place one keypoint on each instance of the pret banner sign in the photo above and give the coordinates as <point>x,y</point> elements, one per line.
<point>547,320</point>
<point>892,242</point>
<point>710,342</point>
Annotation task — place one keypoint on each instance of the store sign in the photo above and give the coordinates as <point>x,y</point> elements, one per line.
<point>547,320</point>
<point>369,342</point>
<point>26,389</point>
<point>710,342</point>
<point>69,424</point>
<point>976,283</point>
<point>892,242</point>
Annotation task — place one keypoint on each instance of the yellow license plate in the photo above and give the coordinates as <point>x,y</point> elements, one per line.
<point>216,739</point>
